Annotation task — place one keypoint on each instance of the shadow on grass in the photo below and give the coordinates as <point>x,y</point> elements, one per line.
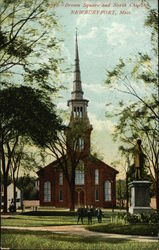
<point>132,229</point>
<point>65,237</point>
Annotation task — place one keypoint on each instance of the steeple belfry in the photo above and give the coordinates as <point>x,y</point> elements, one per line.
<point>78,109</point>
<point>77,92</point>
<point>77,104</point>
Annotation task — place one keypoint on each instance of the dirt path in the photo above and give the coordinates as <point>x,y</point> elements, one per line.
<point>81,231</point>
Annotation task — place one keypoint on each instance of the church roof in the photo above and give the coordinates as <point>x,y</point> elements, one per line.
<point>100,162</point>
<point>90,159</point>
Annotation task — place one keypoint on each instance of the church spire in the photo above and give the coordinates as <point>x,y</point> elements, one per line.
<point>77,92</point>
<point>78,105</point>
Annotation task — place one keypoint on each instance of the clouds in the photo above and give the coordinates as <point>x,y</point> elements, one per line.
<point>96,88</point>
<point>89,35</point>
<point>117,33</point>
<point>62,105</point>
<point>82,21</point>
<point>101,125</point>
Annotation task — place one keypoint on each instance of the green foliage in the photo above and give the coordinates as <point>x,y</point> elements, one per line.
<point>25,112</point>
<point>152,22</point>
<point>27,185</point>
<point>132,229</point>
<point>30,55</point>
<point>138,117</point>
<point>29,50</point>
<point>29,113</point>
<point>121,192</point>
<point>142,218</point>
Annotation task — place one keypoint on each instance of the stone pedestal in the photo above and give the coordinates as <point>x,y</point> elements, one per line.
<point>139,197</point>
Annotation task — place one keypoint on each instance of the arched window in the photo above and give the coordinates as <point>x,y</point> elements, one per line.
<point>107,191</point>
<point>79,174</point>
<point>60,178</point>
<point>74,112</point>
<point>47,191</point>
<point>78,111</point>
<point>81,112</point>
<point>96,176</point>
<point>81,144</point>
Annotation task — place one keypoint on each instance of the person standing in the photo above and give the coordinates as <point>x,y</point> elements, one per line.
<point>89,214</point>
<point>99,215</point>
<point>80,214</point>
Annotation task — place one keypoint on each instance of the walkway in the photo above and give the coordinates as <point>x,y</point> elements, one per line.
<point>81,231</point>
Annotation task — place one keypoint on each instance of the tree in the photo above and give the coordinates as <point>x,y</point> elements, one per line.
<point>23,159</point>
<point>140,118</point>
<point>133,124</point>
<point>26,183</point>
<point>120,192</point>
<point>68,150</point>
<point>30,54</point>
<point>30,114</point>
<point>29,51</point>
<point>143,71</point>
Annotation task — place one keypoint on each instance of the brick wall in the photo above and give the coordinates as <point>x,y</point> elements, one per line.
<point>50,173</point>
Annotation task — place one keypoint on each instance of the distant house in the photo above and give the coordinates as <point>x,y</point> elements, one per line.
<point>10,195</point>
<point>95,181</point>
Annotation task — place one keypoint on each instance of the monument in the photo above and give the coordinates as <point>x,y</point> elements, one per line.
<point>139,188</point>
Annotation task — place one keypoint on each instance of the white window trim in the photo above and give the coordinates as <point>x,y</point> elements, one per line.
<point>60,178</point>
<point>47,191</point>
<point>96,176</point>
<point>107,191</point>
<point>79,175</point>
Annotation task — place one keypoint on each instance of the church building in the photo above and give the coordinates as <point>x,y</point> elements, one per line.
<point>95,181</point>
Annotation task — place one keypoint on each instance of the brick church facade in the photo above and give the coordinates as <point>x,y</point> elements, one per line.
<point>95,181</point>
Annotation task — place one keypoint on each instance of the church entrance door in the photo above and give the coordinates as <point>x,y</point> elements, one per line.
<point>79,198</point>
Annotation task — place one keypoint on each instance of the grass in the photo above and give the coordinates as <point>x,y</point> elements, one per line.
<point>38,221</point>
<point>47,240</point>
<point>133,229</point>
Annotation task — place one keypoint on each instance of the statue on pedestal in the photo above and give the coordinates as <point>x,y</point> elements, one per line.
<point>139,188</point>
<point>139,161</point>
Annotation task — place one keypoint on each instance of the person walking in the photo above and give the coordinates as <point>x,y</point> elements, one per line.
<point>89,214</point>
<point>80,214</point>
<point>99,215</point>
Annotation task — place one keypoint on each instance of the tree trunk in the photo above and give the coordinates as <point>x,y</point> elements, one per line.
<point>14,193</point>
<point>157,189</point>
<point>72,191</point>
<point>127,193</point>
<point>5,177</point>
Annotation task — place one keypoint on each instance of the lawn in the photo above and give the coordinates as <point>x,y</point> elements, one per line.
<point>37,221</point>
<point>47,240</point>
<point>133,229</point>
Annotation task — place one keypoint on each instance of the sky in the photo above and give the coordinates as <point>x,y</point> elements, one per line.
<point>102,40</point>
